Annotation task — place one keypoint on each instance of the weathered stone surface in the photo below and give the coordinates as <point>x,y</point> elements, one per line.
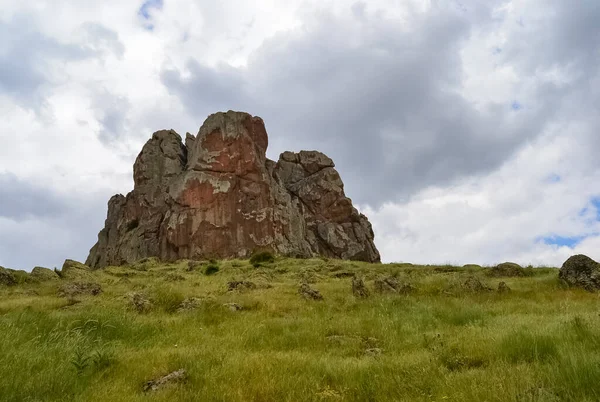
<point>74,270</point>
<point>174,377</point>
<point>359,289</point>
<point>43,274</point>
<point>219,196</point>
<point>581,271</point>
<point>309,293</point>
<point>72,289</point>
<point>6,277</point>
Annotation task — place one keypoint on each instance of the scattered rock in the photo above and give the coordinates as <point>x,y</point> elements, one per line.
<point>43,274</point>
<point>191,303</point>
<point>373,351</point>
<point>392,285</point>
<point>343,274</point>
<point>174,278</point>
<point>188,199</point>
<point>233,306</point>
<point>72,289</point>
<point>6,277</point>
<point>581,271</point>
<point>358,288</point>
<point>240,285</point>
<point>308,293</point>
<point>474,285</point>
<point>139,302</point>
<point>507,269</point>
<point>174,377</point>
<point>503,287</point>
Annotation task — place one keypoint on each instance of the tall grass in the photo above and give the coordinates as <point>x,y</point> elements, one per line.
<point>540,342</point>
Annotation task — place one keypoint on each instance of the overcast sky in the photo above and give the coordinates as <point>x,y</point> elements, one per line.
<point>467,131</point>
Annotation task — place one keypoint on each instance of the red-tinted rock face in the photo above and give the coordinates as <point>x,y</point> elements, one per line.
<point>219,196</point>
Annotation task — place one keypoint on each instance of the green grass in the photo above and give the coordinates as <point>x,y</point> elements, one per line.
<point>540,342</point>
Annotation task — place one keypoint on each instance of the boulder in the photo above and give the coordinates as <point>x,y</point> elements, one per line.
<point>581,271</point>
<point>74,270</point>
<point>503,287</point>
<point>392,285</point>
<point>474,285</point>
<point>218,196</point>
<point>42,274</point>
<point>309,293</point>
<point>6,277</point>
<point>72,289</point>
<point>359,289</point>
<point>507,269</point>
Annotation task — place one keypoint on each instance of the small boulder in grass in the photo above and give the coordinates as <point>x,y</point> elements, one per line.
<point>171,378</point>
<point>474,285</point>
<point>503,287</point>
<point>309,293</point>
<point>139,302</point>
<point>233,306</point>
<point>392,285</point>
<point>72,289</point>
<point>359,289</point>
<point>240,285</point>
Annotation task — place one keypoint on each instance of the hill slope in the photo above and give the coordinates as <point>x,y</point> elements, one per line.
<point>103,334</point>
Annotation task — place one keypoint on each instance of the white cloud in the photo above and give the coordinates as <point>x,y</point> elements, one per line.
<point>382,79</point>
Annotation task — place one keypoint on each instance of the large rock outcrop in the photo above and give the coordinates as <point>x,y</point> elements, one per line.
<point>581,271</point>
<point>219,196</point>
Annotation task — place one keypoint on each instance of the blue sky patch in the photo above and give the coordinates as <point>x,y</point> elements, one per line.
<point>553,178</point>
<point>562,241</point>
<point>144,10</point>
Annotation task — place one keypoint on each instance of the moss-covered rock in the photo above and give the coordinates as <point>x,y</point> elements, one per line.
<point>74,270</point>
<point>6,277</point>
<point>42,274</point>
<point>507,269</point>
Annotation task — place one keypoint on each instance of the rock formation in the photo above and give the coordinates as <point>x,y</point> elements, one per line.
<point>581,271</point>
<point>218,196</point>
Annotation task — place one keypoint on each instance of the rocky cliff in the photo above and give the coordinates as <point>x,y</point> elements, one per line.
<point>219,196</point>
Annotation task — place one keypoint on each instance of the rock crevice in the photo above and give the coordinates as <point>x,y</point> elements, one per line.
<point>218,196</point>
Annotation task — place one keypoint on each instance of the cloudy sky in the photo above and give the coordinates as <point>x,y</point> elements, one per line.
<point>468,131</point>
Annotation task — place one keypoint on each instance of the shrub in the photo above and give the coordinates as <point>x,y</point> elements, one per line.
<point>261,257</point>
<point>211,268</point>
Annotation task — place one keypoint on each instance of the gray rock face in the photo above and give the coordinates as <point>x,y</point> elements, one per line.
<point>581,271</point>
<point>218,196</point>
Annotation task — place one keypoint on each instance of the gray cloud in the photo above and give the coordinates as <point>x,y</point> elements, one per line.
<point>41,227</point>
<point>112,114</point>
<point>21,199</point>
<point>26,56</point>
<point>381,100</point>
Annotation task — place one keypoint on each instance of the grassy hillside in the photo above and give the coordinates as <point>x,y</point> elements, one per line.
<point>439,339</point>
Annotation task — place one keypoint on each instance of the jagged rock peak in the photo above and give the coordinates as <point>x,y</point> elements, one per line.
<point>219,196</point>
